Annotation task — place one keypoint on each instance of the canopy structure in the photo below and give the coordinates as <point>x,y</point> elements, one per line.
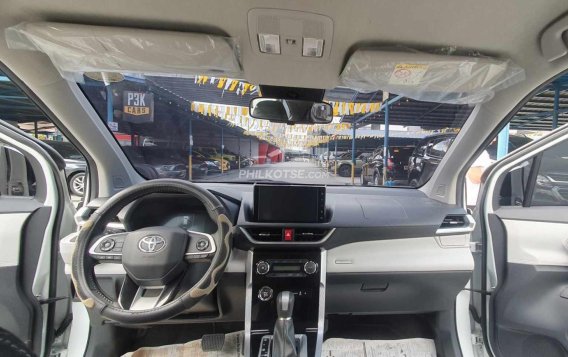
<point>545,111</point>
<point>15,105</point>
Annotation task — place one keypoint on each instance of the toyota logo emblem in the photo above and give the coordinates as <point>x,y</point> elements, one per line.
<point>151,244</point>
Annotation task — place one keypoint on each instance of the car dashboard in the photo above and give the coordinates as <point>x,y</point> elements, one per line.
<point>376,251</point>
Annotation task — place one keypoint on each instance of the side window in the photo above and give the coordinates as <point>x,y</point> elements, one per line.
<point>551,184</point>
<point>16,176</point>
<point>439,148</point>
<point>421,149</point>
<point>544,112</point>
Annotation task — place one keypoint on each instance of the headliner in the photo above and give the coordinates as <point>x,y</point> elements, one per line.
<point>505,28</point>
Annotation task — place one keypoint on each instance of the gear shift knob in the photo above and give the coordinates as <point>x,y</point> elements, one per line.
<point>285,305</point>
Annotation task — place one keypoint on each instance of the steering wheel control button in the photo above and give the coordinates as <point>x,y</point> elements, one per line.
<point>310,267</point>
<point>202,245</point>
<point>265,293</point>
<point>107,245</point>
<point>262,267</point>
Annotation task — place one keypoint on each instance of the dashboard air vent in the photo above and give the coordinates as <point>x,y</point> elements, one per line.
<point>310,234</point>
<point>267,234</point>
<point>277,234</point>
<point>454,221</point>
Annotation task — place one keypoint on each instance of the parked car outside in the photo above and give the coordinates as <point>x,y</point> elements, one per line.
<point>345,161</point>
<point>172,163</point>
<point>427,156</point>
<point>75,165</point>
<point>397,165</point>
<point>430,151</point>
<point>214,154</point>
<point>323,158</point>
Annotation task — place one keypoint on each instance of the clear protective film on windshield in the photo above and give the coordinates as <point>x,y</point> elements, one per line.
<point>75,49</point>
<point>438,76</point>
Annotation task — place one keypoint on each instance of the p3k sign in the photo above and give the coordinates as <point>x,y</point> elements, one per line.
<point>138,107</point>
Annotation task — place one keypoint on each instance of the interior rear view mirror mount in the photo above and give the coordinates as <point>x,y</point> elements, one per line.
<point>291,111</point>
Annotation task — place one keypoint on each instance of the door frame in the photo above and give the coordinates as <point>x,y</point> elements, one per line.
<point>486,204</point>
<point>45,286</point>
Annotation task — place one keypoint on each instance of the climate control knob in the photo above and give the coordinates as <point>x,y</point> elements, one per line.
<point>310,267</point>
<point>262,267</point>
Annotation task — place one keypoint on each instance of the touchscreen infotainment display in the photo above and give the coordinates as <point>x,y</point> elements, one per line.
<point>281,203</point>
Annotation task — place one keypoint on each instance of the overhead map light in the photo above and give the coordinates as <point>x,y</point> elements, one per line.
<point>269,43</point>
<point>312,47</point>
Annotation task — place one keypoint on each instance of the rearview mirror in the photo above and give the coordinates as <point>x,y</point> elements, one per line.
<point>291,111</point>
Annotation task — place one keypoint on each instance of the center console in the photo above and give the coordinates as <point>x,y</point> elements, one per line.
<point>271,273</point>
<point>286,272</point>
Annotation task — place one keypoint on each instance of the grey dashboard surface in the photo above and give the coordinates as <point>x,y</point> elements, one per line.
<point>356,213</point>
<point>372,213</point>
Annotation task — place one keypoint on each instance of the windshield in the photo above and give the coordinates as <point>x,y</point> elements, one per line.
<point>199,129</point>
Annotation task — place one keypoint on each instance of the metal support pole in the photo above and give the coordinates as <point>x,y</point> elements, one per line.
<point>239,153</point>
<point>109,104</point>
<point>503,142</point>
<point>35,129</point>
<point>386,145</point>
<point>354,128</point>
<point>556,105</point>
<point>335,156</point>
<point>190,158</point>
<point>222,147</point>
<point>327,161</point>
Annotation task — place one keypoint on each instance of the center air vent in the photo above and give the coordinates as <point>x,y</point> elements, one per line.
<point>266,234</point>
<point>287,235</point>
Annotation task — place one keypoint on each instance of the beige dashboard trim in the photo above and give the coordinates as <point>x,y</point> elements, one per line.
<point>398,255</point>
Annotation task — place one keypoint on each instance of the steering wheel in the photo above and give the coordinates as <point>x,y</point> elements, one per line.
<point>155,259</point>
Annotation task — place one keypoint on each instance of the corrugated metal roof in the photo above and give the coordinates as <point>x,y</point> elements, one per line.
<point>536,114</point>
<point>360,133</point>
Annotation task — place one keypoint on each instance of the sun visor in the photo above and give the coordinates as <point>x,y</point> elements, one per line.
<point>433,77</point>
<point>75,49</point>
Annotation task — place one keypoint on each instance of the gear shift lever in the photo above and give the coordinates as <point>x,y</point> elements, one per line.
<point>285,305</point>
<point>284,340</point>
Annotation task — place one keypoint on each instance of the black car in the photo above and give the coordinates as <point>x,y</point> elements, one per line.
<point>430,151</point>
<point>397,165</point>
<point>172,163</point>
<point>426,157</point>
<point>75,165</point>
